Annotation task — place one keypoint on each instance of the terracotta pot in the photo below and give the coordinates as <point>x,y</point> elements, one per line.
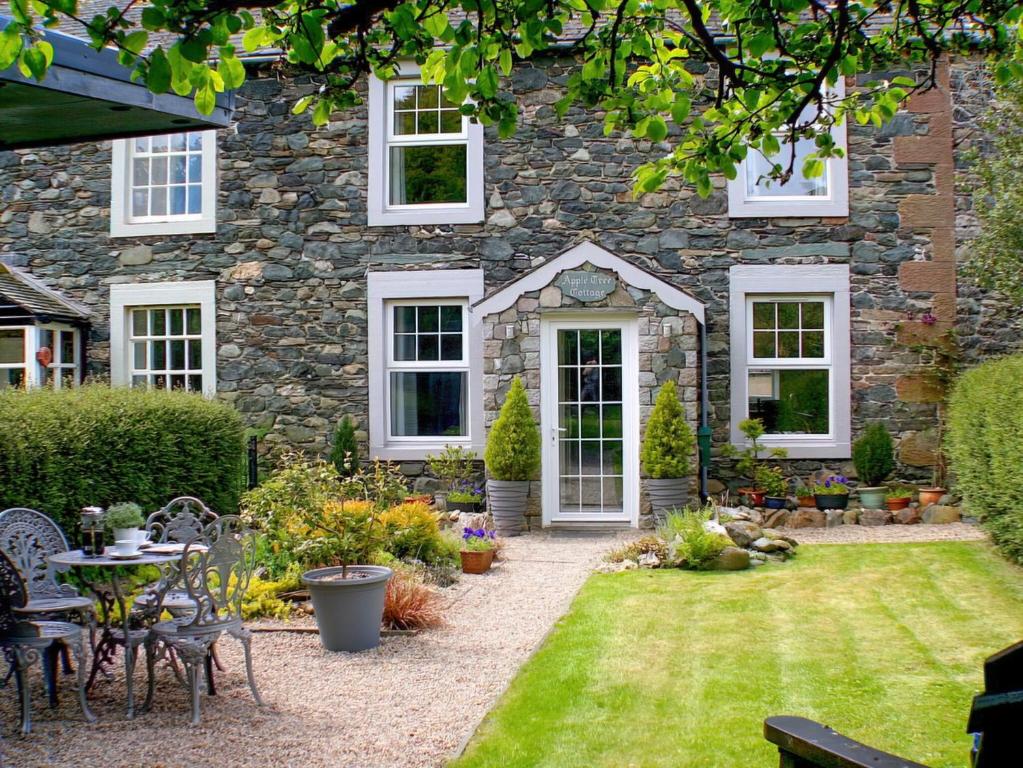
<point>421,499</point>
<point>756,497</point>
<point>806,501</point>
<point>477,562</point>
<point>894,505</point>
<point>930,496</point>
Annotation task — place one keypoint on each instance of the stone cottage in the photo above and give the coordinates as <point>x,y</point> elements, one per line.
<point>403,264</point>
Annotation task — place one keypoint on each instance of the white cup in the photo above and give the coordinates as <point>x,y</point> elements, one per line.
<point>141,536</point>
<point>126,547</point>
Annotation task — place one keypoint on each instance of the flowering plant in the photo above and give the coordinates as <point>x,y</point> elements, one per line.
<point>466,493</point>
<point>835,485</point>
<point>900,492</point>
<point>477,540</point>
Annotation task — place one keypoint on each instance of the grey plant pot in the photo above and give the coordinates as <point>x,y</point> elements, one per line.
<point>666,494</point>
<point>506,500</point>
<point>348,611</point>
<point>872,497</point>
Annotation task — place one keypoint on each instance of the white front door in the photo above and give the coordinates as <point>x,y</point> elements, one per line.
<point>589,402</point>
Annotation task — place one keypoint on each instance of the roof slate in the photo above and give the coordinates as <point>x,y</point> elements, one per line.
<point>31,295</point>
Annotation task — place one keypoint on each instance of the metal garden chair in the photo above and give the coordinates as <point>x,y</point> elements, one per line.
<point>29,538</point>
<point>26,642</point>
<point>216,578</point>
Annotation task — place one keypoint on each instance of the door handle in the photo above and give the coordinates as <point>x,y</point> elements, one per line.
<point>556,430</point>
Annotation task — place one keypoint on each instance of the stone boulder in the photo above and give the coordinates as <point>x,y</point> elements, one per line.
<point>908,516</point>
<point>743,532</point>
<point>712,526</point>
<point>764,544</point>
<point>875,517</point>
<point>834,518</point>
<point>850,516</point>
<point>731,559</point>
<point>776,518</point>
<point>805,517</point>
<point>940,514</point>
<point>770,533</point>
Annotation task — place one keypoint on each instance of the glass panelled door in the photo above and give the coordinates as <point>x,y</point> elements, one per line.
<point>589,432</point>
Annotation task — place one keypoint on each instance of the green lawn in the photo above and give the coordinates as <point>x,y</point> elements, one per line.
<point>668,668</point>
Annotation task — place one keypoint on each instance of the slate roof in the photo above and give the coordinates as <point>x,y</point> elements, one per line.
<point>24,297</point>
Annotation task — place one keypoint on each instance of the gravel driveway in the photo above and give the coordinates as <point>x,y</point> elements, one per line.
<point>410,702</point>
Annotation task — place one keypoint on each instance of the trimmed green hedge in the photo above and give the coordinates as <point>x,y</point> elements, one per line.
<point>985,443</point>
<point>61,451</point>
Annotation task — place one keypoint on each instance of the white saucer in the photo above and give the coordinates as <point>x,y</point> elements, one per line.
<point>118,556</point>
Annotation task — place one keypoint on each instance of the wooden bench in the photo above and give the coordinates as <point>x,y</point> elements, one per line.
<point>997,714</point>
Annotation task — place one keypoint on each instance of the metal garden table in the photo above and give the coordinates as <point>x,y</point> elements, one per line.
<point>112,635</point>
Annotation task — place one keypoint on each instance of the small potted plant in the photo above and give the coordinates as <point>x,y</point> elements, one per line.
<point>344,452</point>
<point>873,455</point>
<point>454,466</point>
<point>749,457</point>
<point>123,520</point>
<point>348,597</point>
<point>804,495</point>
<point>466,497</point>
<point>512,458</point>
<point>667,447</point>
<point>774,484</point>
<point>898,498</point>
<point>477,551</point>
<point>833,493</point>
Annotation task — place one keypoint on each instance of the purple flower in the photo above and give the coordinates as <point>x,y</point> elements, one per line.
<point>827,483</point>
<point>481,533</point>
<point>493,535</point>
<point>928,319</point>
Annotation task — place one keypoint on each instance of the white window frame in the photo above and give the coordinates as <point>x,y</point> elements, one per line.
<point>58,365</point>
<point>126,297</point>
<point>388,289</point>
<point>379,211</point>
<point>835,203</point>
<point>799,283</point>
<point>122,224</point>
<point>30,344</point>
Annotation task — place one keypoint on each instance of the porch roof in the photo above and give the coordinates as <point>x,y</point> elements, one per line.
<point>88,96</point>
<point>24,299</point>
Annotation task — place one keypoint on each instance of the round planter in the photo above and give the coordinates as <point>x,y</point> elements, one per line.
<point>477,562</point>
<point>872,498</point>
<point>468,507</point>
<point>930,496</point>
<point>894,505</point>
<point>666,494</point>
<point>348,611</point>
<point>756,497</point>
<point>831,500</point>
<point>507,502</point>
<point>775,502</point>
<point>806,501</point>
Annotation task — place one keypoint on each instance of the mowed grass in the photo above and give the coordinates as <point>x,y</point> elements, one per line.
<point>883,642</point>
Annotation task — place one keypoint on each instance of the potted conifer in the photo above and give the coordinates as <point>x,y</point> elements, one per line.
<point>873,455</point>
<point>667,446</point>
<point>512,458</point>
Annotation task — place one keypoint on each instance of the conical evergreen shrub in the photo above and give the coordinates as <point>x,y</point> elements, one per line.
<point>668,443</point>
<point>513,446</point>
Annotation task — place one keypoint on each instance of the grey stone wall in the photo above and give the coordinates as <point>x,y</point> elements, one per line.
<point>292,247</point>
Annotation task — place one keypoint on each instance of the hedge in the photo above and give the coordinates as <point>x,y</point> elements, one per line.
<point>985,444</point>
<point>63,450</point>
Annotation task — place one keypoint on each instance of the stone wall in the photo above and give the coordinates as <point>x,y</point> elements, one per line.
<point>668,342</point>
<point>292,246</point>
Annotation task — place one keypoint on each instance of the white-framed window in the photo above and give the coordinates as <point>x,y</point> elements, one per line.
<point>40,355</point>
<point>425,362</point>
<point>790,356</point>
<point>164,185</point>
<point>752,193</point>
<point>163,336</point>
<point>425,157</point>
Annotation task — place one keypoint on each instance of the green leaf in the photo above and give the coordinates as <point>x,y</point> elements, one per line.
<point>159,78</point>
<point>153,18</point>
<point>656,129</point>
<point>232,71</point>
<point>321,115</point>
<point>436,24</point>
<point>254,39</point>
<point>205,99</point>
<point>135,41</point>
<point>10,46</point>
<point>506,62</point>
<point>680,109</point>
<point>32,63</point>
<point>487,82</point>
<point>193,50</point>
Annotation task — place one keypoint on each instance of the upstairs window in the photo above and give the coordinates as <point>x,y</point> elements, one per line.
<point>164,185</point>
<point>426,157</point>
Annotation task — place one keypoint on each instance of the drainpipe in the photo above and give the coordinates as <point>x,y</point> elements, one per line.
<point>704,433</point>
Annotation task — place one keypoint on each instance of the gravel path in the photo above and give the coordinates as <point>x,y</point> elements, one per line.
<point>410,702</point>
<point>879,534</point>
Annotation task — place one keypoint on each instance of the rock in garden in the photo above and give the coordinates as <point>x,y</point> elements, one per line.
<point>714,527</point>
<point>850,517</point>
<point>804,517</point>
<point>743,532</point>
<point>649,560</point>
<point>731,559</point>
<point>764,544</point>
<point>834,518</point>
<point>770,533</point>
<point>941,514</point>
<point>875,517</point>
<point>776,518</point>
<point>908,516</point>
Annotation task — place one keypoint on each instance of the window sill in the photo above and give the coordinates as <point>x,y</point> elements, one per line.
<point>145,229</point>
<point>431,216</point>
<point>790,210</point>
<point>419,451</point>
<point>825,448</point>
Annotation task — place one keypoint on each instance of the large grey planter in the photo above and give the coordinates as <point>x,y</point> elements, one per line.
<point>506,500</point>
<point>667,494</point>
<point>348,611</point>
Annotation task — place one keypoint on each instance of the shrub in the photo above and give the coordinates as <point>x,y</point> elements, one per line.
<point>412,532</point>
<point>748,458</point>
<point>668,442</point>
<point>513,446</point>
<point>262,598</point>
<point>873,455</point>
<point>344,454</point>
<point>771,480</point>
<point>71,448</point>
<point>985,443</point>
<point>411,603</point>
<point>124,514</point>
<point>690,544</point>
<point>634,549</point>
<point>454,465</point>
